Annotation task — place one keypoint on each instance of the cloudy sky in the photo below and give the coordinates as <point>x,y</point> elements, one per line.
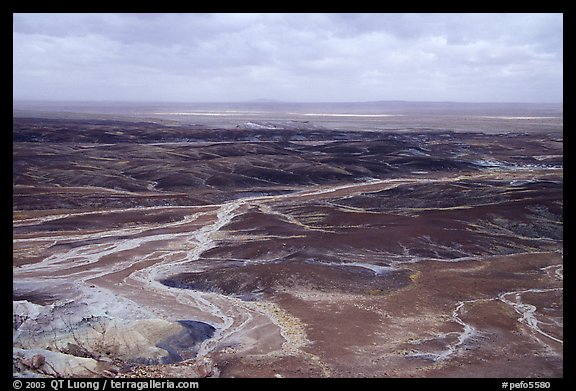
<point>288,57</point>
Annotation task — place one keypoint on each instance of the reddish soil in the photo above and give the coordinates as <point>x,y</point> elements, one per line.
<point>311,253</point>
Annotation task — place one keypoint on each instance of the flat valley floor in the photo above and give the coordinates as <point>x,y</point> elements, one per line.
<point>161,248</point>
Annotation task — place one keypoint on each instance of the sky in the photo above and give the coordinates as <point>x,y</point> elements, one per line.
<point>288,57</point>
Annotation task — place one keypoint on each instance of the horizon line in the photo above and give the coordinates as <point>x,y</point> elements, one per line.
<point>269,101</point>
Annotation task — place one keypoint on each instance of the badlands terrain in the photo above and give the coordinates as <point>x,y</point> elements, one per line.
<point>295,243</point>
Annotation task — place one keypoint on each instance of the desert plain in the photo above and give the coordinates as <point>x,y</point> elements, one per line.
<point>421,241</point>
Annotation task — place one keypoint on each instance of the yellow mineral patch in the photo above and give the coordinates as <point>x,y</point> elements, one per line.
<point>414,277</point>
<point>292,329</point>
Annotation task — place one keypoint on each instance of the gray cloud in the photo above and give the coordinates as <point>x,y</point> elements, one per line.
<point>293,57</point>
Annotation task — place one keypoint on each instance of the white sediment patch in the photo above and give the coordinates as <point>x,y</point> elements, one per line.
<point>253,125</point>
<point>498,165</point>
<point>558,271</point>
<point>545,157</point>
<point>378,270</point>
<point>189,113</point>
<point>517,117</point>
<point>527,311</point>
<point>468,333</point>
<point>346,115</point>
